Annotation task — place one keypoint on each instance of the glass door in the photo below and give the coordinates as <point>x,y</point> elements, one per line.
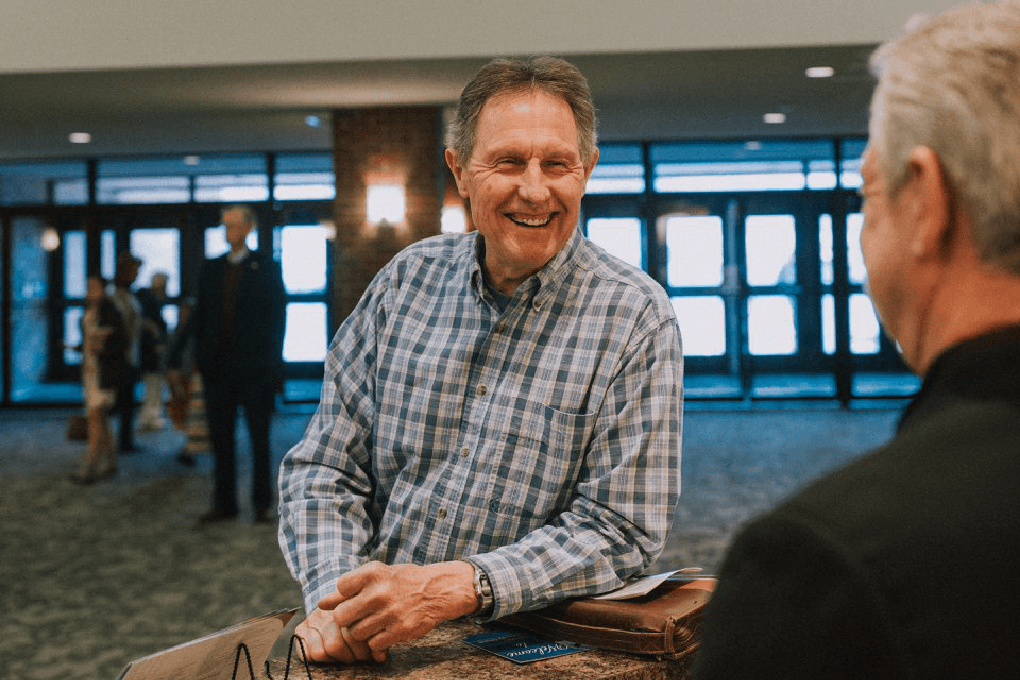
<point>302,243</point>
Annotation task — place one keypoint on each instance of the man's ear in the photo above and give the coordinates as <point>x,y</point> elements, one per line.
<point>931,203</point>
<point>591,166</point>
<point>458,172</point>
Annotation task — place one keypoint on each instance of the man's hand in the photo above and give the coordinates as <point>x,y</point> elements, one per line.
<point>377,606</point>
<point>325,641</point>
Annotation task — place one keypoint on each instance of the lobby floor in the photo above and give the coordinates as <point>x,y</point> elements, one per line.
<point>96,576</point>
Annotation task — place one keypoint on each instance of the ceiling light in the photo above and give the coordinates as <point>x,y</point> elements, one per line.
<point>79,137</point>
<point>192,160</point>
<point>774,118</point>
<point>820,72</point>
<point>313,121</point>
<point>50,239</point>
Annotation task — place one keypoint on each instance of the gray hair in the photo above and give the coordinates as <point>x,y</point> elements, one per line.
<point>952,83</point>
<point>247,213</point>
<point>549,74</point>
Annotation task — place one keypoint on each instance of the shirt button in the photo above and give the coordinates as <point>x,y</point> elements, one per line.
<point>442,513</point>
<point>465,452</point>
<point>482,389</point>
<point>536,305</point>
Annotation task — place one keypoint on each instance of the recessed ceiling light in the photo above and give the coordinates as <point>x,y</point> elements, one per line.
<point>79,137</point>
<point>820,72</point>
<point>774,118</point>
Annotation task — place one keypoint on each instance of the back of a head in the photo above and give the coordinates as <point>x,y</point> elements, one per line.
<point>952,83</point>
<point>552,75</point>
<point>126,270</point>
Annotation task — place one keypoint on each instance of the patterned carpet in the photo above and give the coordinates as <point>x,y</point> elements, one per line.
<point>93,577</point>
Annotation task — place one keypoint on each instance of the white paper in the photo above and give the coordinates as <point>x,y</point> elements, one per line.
<point>643,585</point>
<point>212,657</point>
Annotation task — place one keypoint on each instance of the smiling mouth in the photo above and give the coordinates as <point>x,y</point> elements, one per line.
<point>530,221</point>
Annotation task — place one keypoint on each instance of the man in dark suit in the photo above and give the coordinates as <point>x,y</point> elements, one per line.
<point>906,564</point>
<point>238,327</point>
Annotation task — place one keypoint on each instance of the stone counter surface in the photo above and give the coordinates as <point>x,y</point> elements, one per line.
<point>442,655</point>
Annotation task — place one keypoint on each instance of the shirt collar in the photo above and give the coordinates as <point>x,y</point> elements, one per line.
<point>542,283</point>
<point>986,366</point>
<point>238,257</point>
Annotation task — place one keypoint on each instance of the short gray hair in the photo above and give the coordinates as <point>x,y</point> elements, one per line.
<point>552,75</point>
<point>952,83</point>
<point>247,213</point>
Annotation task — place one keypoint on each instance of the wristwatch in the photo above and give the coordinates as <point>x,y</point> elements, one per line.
<point>483,590</point>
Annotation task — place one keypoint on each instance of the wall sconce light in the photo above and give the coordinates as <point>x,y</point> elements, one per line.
<point>50,239</point>
<point>453,220</point>
<point>386,203</point>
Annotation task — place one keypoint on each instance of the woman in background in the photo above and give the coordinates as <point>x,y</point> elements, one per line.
<point>103,366</point>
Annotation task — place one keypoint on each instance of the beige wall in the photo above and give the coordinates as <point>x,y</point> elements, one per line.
<point>62,35</point>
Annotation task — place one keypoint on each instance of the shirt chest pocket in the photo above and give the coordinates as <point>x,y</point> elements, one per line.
<point>537,466</point>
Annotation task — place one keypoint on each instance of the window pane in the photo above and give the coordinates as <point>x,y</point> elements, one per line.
<point>108,254</point>
<point>771,242</point>
<point>621,236</point>
<point>702,322</point>
<point>304,177</point>
<point>305,337</point>
<point>620,170</point>
<point>850,172</point>
<point>864,326</point>
<point>29,307</point>
<point>616,179</point>
<point>825,249</point>
<point>160,251</point>
<point>821,175</point>
<point>694,250</point>
<point>703,177</point>
<point>72,335</point>
<point>32,182</point>
<point>74,264</point>
<point>305,186</point>
<point>743,166</point>
<point>143,190</point>
<point>855,259</point>
<point>303,258</point>
<point>828,324</point>
<point>231,188</point>
<point>771,325</point>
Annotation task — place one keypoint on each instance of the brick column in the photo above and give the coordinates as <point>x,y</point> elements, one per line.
<point>382,146</point>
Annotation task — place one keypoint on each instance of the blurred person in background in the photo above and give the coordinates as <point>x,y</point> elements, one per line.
<point>152,345</point>
<point>104,339</point>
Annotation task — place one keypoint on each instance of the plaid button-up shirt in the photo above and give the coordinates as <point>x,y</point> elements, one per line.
<point>542,443</point>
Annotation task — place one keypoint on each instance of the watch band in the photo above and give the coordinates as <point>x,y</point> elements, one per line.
<point>483,591</point>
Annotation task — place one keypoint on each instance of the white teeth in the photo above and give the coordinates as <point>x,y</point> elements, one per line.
<point>531,221</point>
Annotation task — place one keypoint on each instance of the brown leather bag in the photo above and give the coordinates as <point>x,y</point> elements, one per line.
<point>665,622</point>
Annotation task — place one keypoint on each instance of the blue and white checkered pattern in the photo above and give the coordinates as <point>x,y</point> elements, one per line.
<point>543,443</point>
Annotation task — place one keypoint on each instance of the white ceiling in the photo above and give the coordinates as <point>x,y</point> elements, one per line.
<point>640,96</point>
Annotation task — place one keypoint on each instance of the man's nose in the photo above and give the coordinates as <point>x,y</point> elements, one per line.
<point>533,185</point>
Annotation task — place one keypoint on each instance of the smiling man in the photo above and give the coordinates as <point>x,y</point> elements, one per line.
<point>500,421</point>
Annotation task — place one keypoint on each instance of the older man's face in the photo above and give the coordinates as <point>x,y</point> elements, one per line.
<point>237,228</point>
<point>525,180</point>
